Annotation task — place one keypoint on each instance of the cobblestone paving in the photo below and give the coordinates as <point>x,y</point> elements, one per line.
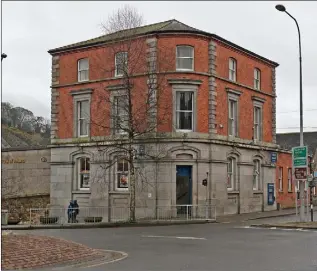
<point>30,251</point>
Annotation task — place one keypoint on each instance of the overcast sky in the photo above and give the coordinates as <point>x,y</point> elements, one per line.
<point>30,29</point>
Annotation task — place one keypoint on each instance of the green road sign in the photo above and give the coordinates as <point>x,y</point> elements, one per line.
<point>299,156</point>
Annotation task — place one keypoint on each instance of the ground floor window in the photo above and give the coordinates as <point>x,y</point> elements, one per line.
<point>84,173</point>
<point>256,175</point>
<point>231,170</point>
<point>122,174</point>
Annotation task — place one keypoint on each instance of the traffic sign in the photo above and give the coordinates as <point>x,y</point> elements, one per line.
<point>299,157</point>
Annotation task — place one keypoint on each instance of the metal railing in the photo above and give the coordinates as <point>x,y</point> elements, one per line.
<point>45,216</point>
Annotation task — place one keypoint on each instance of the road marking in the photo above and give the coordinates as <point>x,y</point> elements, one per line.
<point>112,261</point>
<point>175,237</point>
<point>101,261</point>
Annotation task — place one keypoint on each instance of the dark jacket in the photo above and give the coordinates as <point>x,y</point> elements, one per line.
<point>76,206</point>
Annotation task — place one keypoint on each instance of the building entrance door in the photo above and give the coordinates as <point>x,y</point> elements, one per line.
<point>183,189</point>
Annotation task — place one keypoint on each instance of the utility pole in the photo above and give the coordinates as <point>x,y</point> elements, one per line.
<point>301,183</point>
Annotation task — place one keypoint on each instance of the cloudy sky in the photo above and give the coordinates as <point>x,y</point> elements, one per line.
<point>30,29</point>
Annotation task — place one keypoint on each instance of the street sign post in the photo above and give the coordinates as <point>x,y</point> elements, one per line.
<point>300,163</point>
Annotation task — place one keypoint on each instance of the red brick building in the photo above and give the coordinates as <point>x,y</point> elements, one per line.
<point>219,118</point>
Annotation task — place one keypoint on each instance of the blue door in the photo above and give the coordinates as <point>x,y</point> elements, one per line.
<point>183,185</point>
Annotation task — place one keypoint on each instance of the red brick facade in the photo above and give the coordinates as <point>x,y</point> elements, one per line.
<point>101,63</point>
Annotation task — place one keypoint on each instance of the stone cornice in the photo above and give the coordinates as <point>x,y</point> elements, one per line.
<point>183,81</point>
<point>81,91</point>
<point>258,99</point>
<point>170,137</point>
<point>233,91</point>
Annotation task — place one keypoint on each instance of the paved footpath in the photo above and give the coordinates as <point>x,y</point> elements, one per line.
<point>29,251</point>
<point>255,216</point>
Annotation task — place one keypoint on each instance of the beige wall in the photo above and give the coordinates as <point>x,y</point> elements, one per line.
<point>25,173</point>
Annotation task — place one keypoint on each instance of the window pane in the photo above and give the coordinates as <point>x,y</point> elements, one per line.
<point>122,180</point>
<point>184,100</point>
<point>83,75</point>
<point>83,109</point>
<point>184,120</point>
<point>83,127</point>
<point>232,64</point>
<point>232,75</point>
<point>185,51</point>
<point>83,64</point>
<point>184,63</point>
<point>84,174</point>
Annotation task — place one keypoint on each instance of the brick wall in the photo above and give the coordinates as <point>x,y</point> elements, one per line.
<point>285,198</point>
<point>210,57</point>
<point>244,83</point>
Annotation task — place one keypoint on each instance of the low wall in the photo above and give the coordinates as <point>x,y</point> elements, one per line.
<point>19,207</point>
<point>25,179</point>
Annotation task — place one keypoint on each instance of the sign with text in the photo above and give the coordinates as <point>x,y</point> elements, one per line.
<point>299,157</point>
<point>300,173</point>
<point>273,157</point>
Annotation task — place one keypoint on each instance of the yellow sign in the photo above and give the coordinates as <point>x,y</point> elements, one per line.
<point>13,161</point>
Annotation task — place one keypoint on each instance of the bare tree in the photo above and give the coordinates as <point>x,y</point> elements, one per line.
<point>132,106</point>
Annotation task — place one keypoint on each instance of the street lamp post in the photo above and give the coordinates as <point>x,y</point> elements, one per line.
<point>301,184</point>
<point>3,55</point>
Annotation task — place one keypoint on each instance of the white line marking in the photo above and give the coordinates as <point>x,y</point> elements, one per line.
<point>174,237</point>
<point>112,261</point>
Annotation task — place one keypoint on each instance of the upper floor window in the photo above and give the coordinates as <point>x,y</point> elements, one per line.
<point>82,118</point>
<point>280,178</point>
<point>122,174</point>
<point>83,70</point>
<point>185,58</point>
<point>233,118</point>
<point>289,179</point>
<point>184,110</point>
<point>257,123</point>
<point>257,79</point>
<point>121,114</point>
<point>256,174</point>
<point>231,170</point>
<point>232,69</point>
<point>121,63</point>
<point>83,172</point>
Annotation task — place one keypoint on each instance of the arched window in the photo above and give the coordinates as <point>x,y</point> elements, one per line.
<point>256,174</point>
<point>232,173</point>
<point>122,174</point>
<point>232,69</point>
<point>83,173</point>
<point>257,79</point>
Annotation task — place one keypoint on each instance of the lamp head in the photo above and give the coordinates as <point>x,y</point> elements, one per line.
<point>280,8</point>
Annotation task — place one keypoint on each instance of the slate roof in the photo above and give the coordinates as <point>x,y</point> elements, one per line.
<point>290,140</point>
<point>157,28</point>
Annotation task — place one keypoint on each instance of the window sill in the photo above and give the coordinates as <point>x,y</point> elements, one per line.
<point>183,131</point>
<point>257,192</point>
<point>184,70</point>
<point>290,192</point>
<point>81,191</point>
<point>120,192</point>
<point>233,192</point>
<point>83,81</point>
